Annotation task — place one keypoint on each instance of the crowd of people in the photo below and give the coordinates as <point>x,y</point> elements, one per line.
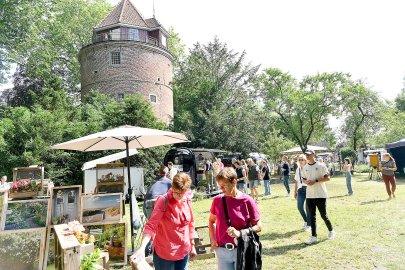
<point>234,214</point>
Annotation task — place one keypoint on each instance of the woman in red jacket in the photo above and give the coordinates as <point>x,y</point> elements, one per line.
<point>171,226</point>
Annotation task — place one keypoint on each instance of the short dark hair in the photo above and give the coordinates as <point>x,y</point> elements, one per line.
<point>169,163</point>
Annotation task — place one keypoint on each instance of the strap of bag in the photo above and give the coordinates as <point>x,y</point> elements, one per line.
<point>228,221</point>
<point>299,172</point>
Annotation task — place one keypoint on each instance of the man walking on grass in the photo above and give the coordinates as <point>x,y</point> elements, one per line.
<point>315,175</point>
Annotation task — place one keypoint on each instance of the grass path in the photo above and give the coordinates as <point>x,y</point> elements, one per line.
<point>370,230</point>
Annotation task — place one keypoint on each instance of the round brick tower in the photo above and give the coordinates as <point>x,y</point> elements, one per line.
<point>129,55</point>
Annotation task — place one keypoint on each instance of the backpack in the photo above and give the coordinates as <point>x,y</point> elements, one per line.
<point>148,205</point>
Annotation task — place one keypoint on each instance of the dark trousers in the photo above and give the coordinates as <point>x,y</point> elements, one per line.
<point>389,180</point>
<point>319,203</point>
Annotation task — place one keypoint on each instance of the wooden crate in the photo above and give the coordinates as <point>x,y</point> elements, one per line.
<point>23,195</point>
<point>67,249</point>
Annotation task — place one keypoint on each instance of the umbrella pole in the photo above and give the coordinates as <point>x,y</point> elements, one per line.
<point>130,194</point>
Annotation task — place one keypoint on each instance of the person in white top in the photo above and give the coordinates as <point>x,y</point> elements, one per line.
<point>347,168</point>
<point>315,175</point>
<point>4,186</point>
<point>300,193</point>
<point>173,171</point>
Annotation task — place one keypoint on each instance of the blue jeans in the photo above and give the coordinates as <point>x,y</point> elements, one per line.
<point>266,184</point>
<point>162,264</point>
<point>286,184</point>
<point>349,182</point>
<point>301,196</point>
<point>242,186</point>
<point>226,259</point>
<point>253,184</point>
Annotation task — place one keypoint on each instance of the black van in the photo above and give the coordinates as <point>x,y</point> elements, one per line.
<point>191,160</point>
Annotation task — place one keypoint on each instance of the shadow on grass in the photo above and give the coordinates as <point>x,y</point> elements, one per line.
<point>373,201</point>
<point>280,250</point>
<point>339,196</point>
<point>272,236</point>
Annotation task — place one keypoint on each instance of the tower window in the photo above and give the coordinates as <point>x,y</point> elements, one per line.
<point>153,98</point>
<point>115,58</point>
<point>164,41</point>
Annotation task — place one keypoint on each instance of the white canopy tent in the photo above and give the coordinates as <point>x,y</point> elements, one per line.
<point>107,159</point>
<point>297,150</point>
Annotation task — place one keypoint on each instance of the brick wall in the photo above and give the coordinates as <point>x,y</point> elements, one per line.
<point>144,69</point>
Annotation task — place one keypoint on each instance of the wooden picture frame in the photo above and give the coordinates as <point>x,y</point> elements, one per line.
<point>49,255</point>
<point>66,204</point>
<point>107,183</point>
<point>27,214</point>
<point>3,208</point>
<point>101,208</point>
<point>104,234</point>
<point>25,249</point>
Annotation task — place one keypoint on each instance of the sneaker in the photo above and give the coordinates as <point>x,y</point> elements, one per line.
<point>331,235</point>
<point>304,226</point>
<point>311,240</point>
<point>308,229</point>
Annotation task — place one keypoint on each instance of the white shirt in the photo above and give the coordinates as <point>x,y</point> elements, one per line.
<point>298,180</point>
<point>4,187</point>
<point>315,171</point>
<point>173,172</point>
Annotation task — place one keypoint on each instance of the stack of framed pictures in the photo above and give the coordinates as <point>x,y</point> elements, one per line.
<point>23,233</point>
<point>102,217</point>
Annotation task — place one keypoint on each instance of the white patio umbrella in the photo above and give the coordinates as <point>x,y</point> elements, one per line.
<point>124,137</point>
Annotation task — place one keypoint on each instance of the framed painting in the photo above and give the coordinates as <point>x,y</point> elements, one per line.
<point>27,214</point>
<point>112,238</point>
<point>101,208</point>
<point>66,204</point>
<point>22,249</point>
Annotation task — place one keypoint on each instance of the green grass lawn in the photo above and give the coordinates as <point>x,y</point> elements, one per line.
<point>370,230</point>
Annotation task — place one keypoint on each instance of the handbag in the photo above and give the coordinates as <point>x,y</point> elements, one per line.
<point>249,249</point>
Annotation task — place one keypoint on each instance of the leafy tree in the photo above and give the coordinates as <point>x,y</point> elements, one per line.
<point>176,47</point>
<point>27,133</point>
<point>213,99</point>
<point>43,37</point>
<point>392,130</point>
<point>400,101</point>
<point>362,109</point>
<point>303,107</point>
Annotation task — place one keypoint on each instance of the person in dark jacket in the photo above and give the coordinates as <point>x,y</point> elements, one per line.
<point>285,170</point>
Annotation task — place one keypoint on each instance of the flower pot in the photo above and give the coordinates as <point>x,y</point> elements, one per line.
<point>24,194</point>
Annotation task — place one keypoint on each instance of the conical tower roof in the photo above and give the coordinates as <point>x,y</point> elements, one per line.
<point>125,13</point>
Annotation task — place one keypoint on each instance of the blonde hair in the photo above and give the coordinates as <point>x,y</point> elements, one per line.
<point>181,181</point>
<point>227,175</point>
<point>389,155</point>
